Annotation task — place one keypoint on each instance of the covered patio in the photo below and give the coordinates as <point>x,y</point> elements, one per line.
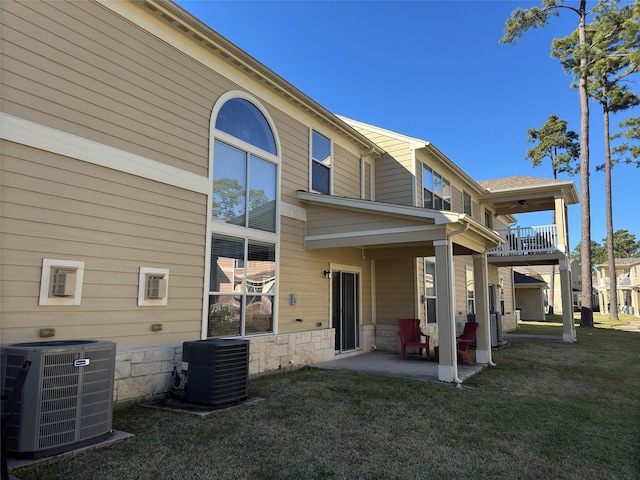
<point>389,233</point>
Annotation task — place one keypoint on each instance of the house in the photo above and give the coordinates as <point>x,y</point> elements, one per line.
<point>545,272</point>
<point>628,285</point>
<point>159,185</point>
<point>529,296</point>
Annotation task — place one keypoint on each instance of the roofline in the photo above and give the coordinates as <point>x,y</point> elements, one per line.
<point>219,45</point>
<point>625,264</point>
<point>566,187</point>
<point>417,143</point>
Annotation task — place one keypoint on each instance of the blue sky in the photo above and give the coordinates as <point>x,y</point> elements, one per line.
<point>433,70</point>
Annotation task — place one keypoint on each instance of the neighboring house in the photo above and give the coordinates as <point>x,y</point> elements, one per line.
<point>159,185</point>
<point>543,272</point>
<point>529,296</point>
<point>628,286</point>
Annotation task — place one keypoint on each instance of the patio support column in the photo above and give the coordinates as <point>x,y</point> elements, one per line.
<point>481,284</point>
<point>448,366</point>
<point>562,242</point>
<point>568,325</point>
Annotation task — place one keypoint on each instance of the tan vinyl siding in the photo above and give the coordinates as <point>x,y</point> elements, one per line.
<point>394,176</point>
<point>294,140</point>
<point>115,223</point>
<point>506,273</point>
<point>346,173</point>
<point>81,71</point>
<point>326,221</point>
<point>301,273</point>
<point>394,179</point>
<point>456,200</point>
<point>395,284</point>
<point>460,289</point>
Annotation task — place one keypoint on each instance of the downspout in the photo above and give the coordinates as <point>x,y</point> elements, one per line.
<point>362,179</point>
<point>452,310</point>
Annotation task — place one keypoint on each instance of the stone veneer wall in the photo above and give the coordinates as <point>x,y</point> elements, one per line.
<point>509,322</point>
<point>147,372</point>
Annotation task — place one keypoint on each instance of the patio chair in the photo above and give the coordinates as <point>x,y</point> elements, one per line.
<point>464,340</point>
<point>410,334</point>
<point>9,403</point>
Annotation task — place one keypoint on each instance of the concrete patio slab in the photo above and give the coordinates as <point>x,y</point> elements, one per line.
<point>391,365</point>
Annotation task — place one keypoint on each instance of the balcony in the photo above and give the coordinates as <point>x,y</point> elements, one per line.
<point>620,282</point>
<point>527,241</point>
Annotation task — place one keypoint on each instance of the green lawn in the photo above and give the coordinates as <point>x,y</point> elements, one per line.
<point>547,411</point>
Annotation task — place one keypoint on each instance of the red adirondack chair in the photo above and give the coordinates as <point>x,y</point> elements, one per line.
<point>464,340</point>
<point>410,334</point>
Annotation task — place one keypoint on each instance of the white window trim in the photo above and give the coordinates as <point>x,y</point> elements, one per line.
<point>233,230</point>
<point>142,286</point>
<point>48,264</point>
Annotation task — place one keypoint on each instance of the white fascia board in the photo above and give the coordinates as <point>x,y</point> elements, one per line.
<point>41,137</point>
<point>413,142</point>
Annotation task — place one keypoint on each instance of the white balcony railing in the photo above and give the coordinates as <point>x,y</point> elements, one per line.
<point>528,241</point>
<point>620,281</point>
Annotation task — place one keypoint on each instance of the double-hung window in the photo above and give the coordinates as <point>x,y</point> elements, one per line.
<point>430,290</point>
<point>466,204</point>
<point>321,163</point>
<point>242,278</point>
<point>436,190</point>
<point>488,219</point>
<point>471,296</point>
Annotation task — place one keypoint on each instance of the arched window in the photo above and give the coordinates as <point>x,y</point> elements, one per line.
<point>245,168</point>
<point>240,118</point>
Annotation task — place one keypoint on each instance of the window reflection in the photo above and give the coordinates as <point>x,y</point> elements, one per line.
<point>241,118</point>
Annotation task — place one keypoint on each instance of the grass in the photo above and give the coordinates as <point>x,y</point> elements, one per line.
<point>547,411</point>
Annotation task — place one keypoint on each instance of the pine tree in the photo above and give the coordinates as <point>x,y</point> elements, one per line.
<point>536,17</point>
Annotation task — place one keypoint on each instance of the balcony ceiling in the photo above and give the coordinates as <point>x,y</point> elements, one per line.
<point>524,194</point>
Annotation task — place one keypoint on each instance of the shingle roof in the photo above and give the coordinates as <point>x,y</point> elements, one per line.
<point>623,261</point>
<point>520,278</point>
<point>517,181</point>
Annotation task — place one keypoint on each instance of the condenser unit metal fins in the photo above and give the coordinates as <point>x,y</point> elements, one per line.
<point>218,371</point>
<point>67,399</point>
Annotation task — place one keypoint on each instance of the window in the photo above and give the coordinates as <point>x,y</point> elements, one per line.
<point>488,219</point>
<point>241,119</point>
<point>320,163</point>
<point>244,188</point>
<point>436,190</point>
<point>242,277</point>
<point>466,204</point>
<point>241,286</point>
<point>471,296</point>
<point>430,290</point>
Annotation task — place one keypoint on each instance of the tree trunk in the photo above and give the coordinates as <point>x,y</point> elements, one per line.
<point>613,282</point>
<point>586,312</point>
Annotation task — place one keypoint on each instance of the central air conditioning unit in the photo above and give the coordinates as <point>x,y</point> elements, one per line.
<point>67,398</point>
<point>217,371</point>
